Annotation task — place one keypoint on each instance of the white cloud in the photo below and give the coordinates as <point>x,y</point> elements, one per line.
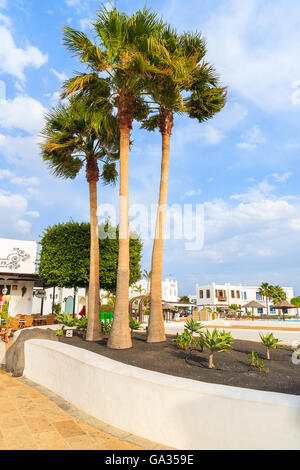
<point>283,178</point>
<point>253,44</point>
<point>3,3</point>
<point>13,207</point>
<point>19,149</point>
<point>85,23</point>
<point>62,76</point>
<point>13,60</point>
<point>18,180</point>
<point>23,112</point>
<point>34,214</point>
<point>23,226</point>
<point>194,192</point>
<point>256,223</point>
<point>295,224</point>
<point>252,139</point>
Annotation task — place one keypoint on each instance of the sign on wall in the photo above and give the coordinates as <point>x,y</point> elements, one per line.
<point>17,256</point>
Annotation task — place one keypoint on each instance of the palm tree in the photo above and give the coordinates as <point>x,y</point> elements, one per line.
<point>120,60</point>
<point>76,135</point>
<point>190,86</point>
<point>265,290</point>
<point>147,276</point>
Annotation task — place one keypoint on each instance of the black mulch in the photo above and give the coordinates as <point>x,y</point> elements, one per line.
<point>231,368</point>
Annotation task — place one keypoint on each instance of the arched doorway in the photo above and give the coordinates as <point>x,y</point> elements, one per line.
<point>69,305</point>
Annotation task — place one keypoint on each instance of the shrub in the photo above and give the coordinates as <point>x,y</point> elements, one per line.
<point>270,342</point>
<point>82,322</point>
<point>183,341</point>
<point>106,327</point>
<point>56,310</point>
<point>257,362</point>
<point>217,341</point>
<point>134,325</point>
<point>66,319</point>
<point>192,326</point>
<point>59,332</point>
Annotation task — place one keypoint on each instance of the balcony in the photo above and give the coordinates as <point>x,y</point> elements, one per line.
<point>222,299</point>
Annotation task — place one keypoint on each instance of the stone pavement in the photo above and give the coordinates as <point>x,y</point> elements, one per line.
<point>31,420</point>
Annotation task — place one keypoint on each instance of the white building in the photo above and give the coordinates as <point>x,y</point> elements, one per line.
<point>169,289</point>
<point>17,275</point>
<point>223,295</point>
<point>67,297</point>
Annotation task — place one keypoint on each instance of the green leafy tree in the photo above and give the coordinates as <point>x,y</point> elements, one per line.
<point>184,299</point>
<point>117,63</point>
<point>79,135</point>
<point>296,301</point>
<point>65,256</point>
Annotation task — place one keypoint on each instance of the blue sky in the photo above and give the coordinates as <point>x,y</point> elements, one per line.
<point>242,165</point>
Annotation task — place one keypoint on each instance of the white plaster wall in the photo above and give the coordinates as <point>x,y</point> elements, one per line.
<point>177,412</point>
<point>20,304</point>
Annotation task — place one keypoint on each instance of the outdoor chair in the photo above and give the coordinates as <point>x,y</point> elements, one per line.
<point>50,320</point>
<point>14,324</point>
<point>4,332</point>
<point>28,321</point>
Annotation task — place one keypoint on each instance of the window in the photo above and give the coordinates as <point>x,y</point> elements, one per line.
<point>232,294</point>
<point>238,294</point>
<point>201,294</point>
<point>258,297</point>
<point>244,295</point>
<point>208,293</point>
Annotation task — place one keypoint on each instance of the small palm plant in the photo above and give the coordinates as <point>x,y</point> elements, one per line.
<point>270,342</point>
<point>134,325</point>
<point>193,326</point>
<point>217,341</point>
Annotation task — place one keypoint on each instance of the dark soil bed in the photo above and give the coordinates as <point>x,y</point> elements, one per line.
<point>231,368</point>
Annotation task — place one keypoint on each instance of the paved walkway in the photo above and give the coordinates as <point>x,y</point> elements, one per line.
<point>32,421</point>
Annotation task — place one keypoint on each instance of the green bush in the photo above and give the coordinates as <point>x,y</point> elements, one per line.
<point>82,322</point>
<point>66,319</point>
<point>106,327</point>
<point>134,325</point>
<point>183,341</point>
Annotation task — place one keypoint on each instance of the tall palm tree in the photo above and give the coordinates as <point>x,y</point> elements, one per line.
<point>147,276</point>
<point>76,135</point>
<point>265,291</point>
<point>191,87</point>
<point>119,57</point>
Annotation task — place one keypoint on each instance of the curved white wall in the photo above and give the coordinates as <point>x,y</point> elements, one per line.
<point>177,412</point>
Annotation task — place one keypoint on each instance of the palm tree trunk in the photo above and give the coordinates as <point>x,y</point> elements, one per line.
<point>211,360</point>
<point>120,337</point>
<point>156,329</point>
<point>268,354</point>
<point>94,332</point>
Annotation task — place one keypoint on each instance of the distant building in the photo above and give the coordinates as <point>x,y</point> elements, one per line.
<point>223,295</point>
<point>17,275</point>
<point>169,289</point>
